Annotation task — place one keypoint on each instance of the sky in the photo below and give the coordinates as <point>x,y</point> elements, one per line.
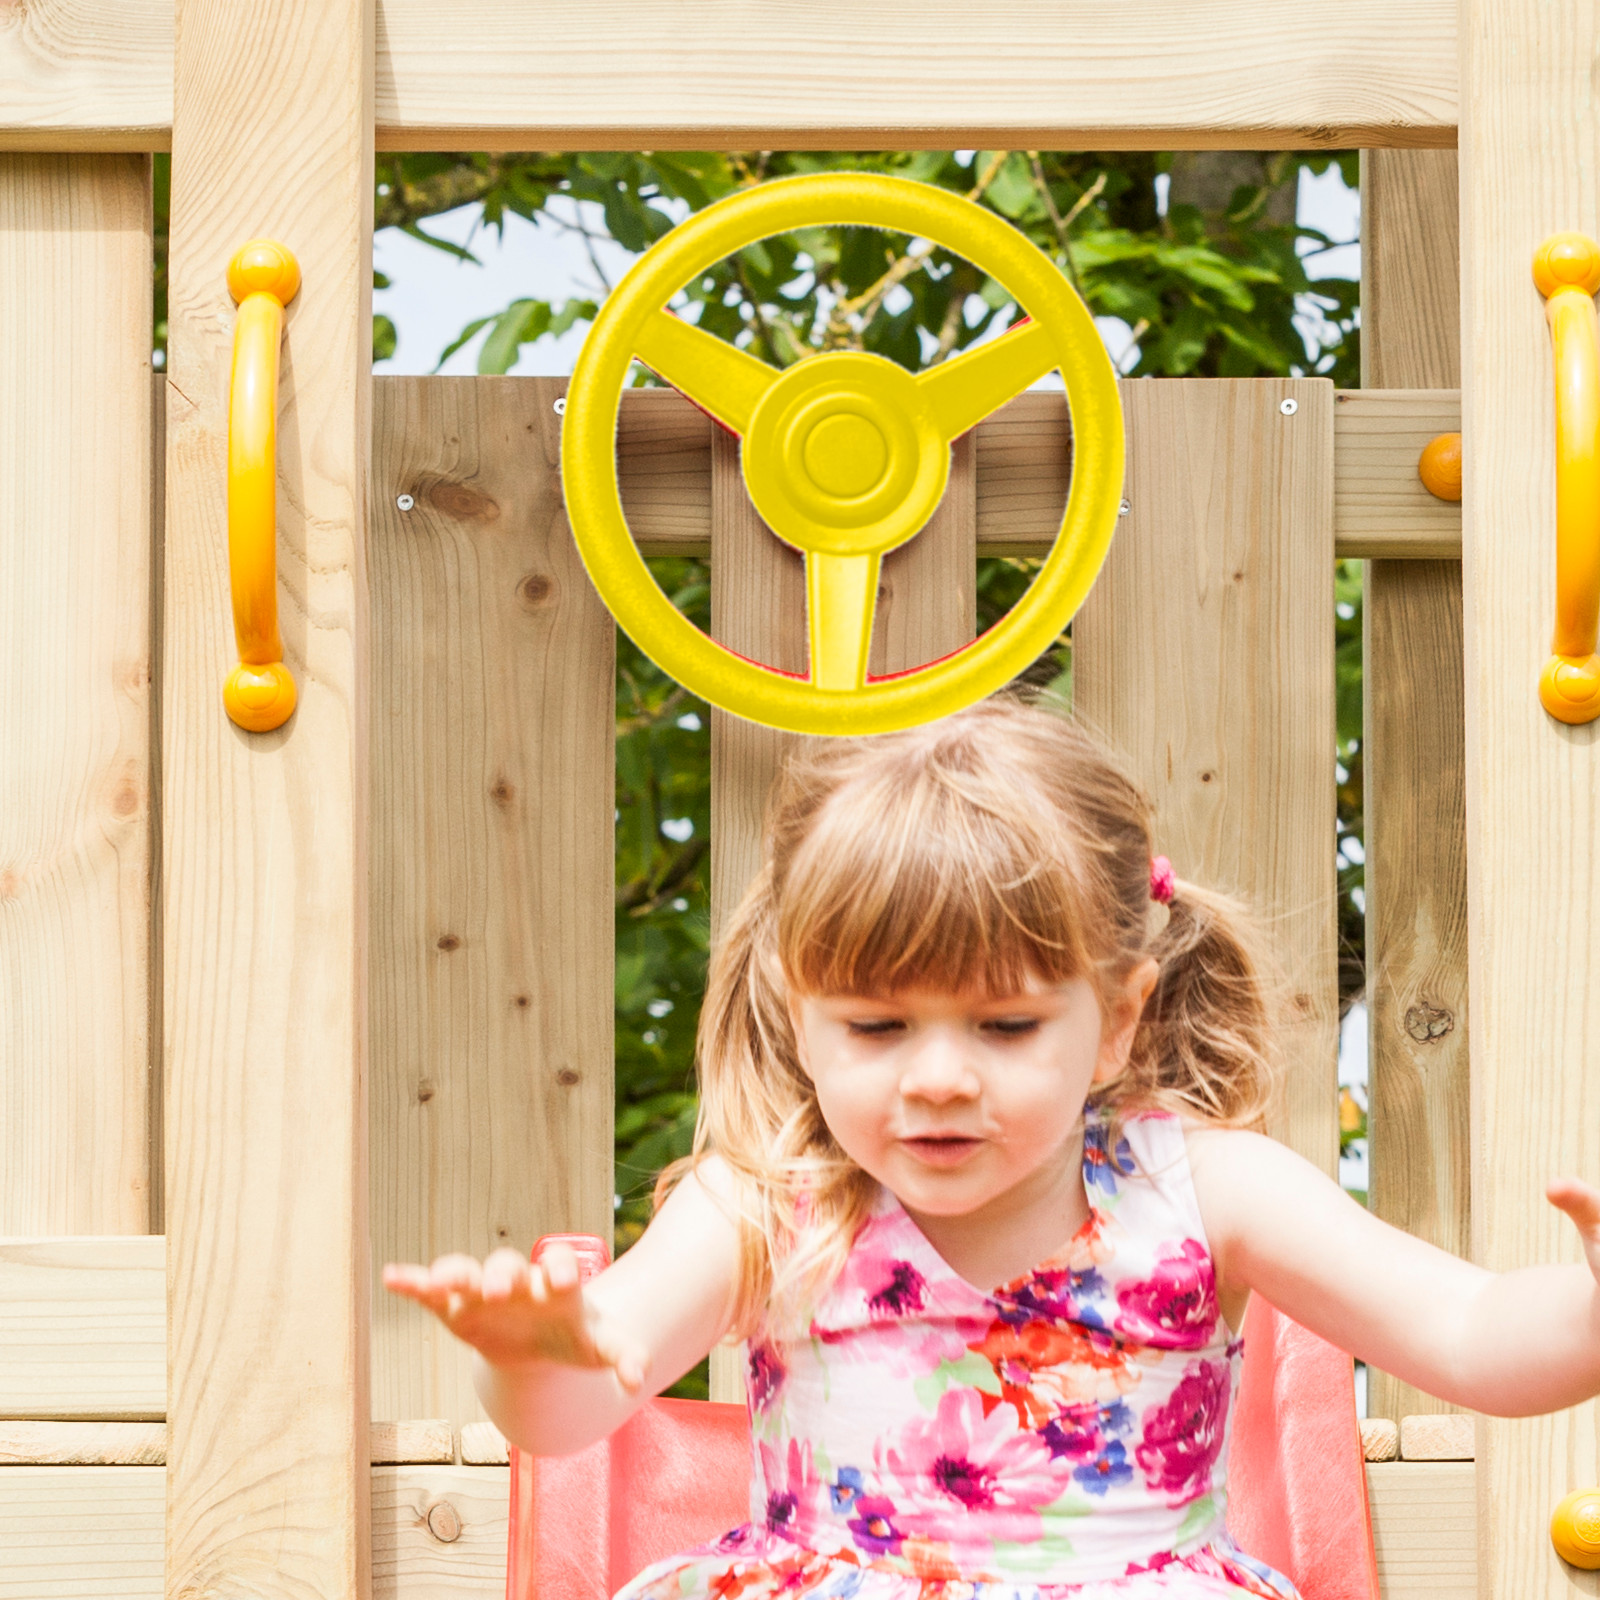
<point>435,295</point>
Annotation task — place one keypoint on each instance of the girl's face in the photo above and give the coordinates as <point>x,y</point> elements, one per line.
<point>952,1100</point>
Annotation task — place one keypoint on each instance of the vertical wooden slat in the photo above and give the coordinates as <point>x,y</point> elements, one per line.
<point>926,608</point>
<point>264,838</point>
<point>493,856</point>
<point>1205,654</point>
<point>1414,752</point>
<point>1529,127</point>
<point>75,779</point>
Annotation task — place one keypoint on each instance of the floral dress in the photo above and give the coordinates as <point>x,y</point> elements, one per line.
<point>1064,1435</point>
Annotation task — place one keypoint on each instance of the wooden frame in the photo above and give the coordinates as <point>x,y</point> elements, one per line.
<point>649,74</point>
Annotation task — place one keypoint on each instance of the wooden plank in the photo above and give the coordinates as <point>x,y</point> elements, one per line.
<point>483,1445</point>
<point>415,1512</point>
<point>81,1533</point>
<point>83,1444</point>
<point>1438,1436</point>
<point>75,733</point>
<point>404,1442</point>
<point>1380,1439</point>
<point>1424,1527</point>
<point>1205,654</point>
<point>264,845</point>
<point>84,1329</point>
<point>498,74</point>
<point>1533,785</point>
<point>926,608</point>
<point>1380,508</point>
<point>664,469</point>
<point>493,857</point>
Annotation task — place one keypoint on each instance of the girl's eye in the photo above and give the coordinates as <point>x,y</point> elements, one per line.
<point>1012,1027</point>
<point>874,1027</point>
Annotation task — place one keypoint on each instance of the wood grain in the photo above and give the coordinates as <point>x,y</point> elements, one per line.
<point>1205,654</point>
<point>1431,1436</point>
<point>926,608</point>
<point>1424,1529</point>
<point>83,1444</point>
<point>81,1533</point>
<point>492,857</point>
<point>1380,508</point>
<point>264,836</point>
<point>1533,785</point>
<point>1414,755</point>
<point>409,1559</point>
<point>1380,1439</point>
<point>84,1328</point>
<point>75,731</point>
<point>402,1442</point>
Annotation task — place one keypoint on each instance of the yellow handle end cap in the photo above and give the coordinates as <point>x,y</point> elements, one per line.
<point>263,266</point>
<point>1570,690</point>
<point>1575,1529</point>
<point>1567,261</point>
<point>1439,466</point>
<point>259,698</point>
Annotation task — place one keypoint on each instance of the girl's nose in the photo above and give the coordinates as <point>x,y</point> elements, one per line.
<point>939,1070</point>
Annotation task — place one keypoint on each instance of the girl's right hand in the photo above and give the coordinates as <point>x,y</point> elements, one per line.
<point>514,1312</point>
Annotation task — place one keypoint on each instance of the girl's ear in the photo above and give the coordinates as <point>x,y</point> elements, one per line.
<point>1122,1020</point>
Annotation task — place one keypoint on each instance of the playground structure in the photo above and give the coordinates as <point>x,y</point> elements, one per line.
<point>277,1005</point>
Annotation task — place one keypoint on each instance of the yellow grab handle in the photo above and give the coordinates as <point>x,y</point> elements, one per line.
<point>263,278</point>
<point>1567,271</point>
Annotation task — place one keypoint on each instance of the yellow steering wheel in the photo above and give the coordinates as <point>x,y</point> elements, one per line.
<point>845,455</point>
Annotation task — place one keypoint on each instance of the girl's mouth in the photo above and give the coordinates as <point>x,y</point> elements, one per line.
<point>941,1149</point>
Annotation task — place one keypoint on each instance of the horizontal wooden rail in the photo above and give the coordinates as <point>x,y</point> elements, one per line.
<point>1380,511</point>
<point>647,74</point>
<point>437,1529</point>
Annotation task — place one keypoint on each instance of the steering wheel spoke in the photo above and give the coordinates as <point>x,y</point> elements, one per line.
<point>962,392</point>
<point>841,601</point>
<point>717,376</point>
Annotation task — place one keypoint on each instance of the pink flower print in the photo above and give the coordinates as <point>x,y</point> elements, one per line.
<point>1175,1308</point>
<point>1183,1438</point>
<point>903,1291</point>
<point>962,1460</point>
<point>794,1492</point>
<point>767,1373</point>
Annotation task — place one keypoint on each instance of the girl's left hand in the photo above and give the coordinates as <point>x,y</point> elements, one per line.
<point>1582,1204</point>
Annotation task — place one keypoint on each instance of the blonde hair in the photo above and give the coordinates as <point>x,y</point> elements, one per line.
<point>997,845</point>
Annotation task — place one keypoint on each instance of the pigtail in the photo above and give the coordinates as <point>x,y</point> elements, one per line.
<point>1204,1045</point>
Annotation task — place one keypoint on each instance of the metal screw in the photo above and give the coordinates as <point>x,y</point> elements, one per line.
<point>1288,407</point>
<point>561,406</point>
<point>1124,509</point>
<point>404,501</point>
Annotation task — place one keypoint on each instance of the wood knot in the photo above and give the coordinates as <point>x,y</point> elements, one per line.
<point>520,1001</point>
<point>444,1522</point>
<point>449,941</point>
<point>462,503</point>
<point>125,802</point>
<point>501,792</point>
<point>566,1077</point>
<point>425,1092</point>
<point>535,590</point>
<point>1426,1022</point>
<point>1207,777</point>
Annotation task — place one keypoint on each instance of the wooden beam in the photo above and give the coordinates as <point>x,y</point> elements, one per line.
<point>1414,754</point>
<point>84,1328</point>
<point>83,1444</point>
<point>493,857</point>
<point>76,815</point>
<point>1533,784</point>
<point>1424,1529</point>
<point>1380,509</point>
<point>1205,654</point>
<point>265,850</point>
<point>645,74</point>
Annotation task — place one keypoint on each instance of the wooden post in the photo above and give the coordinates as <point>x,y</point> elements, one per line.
<point>1414,752</point>
<point>1529,129</point>
<point>268,1478</point>
<point>76,825</point>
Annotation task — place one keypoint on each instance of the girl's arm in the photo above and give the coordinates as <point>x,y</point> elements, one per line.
<point>559,1365</point>
<point>1512,1344</point>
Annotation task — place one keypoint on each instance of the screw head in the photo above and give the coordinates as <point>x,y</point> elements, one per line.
<point>1288,407</point>
<point>1124,509</point>
<point>404,501</point>
<point>561,406</point>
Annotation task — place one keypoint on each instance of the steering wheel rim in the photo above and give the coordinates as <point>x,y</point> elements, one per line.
<point>1062,334</point>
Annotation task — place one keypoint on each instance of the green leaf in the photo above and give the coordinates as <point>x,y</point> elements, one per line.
<point>383,338</point>
<point>520,323</point>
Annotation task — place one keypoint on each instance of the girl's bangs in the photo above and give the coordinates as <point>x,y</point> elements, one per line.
<point>929,884</point>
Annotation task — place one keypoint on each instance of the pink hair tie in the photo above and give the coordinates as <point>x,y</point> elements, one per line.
<point>1163,880</point>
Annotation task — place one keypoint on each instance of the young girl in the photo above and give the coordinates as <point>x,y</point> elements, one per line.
<point>978,1179</point>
